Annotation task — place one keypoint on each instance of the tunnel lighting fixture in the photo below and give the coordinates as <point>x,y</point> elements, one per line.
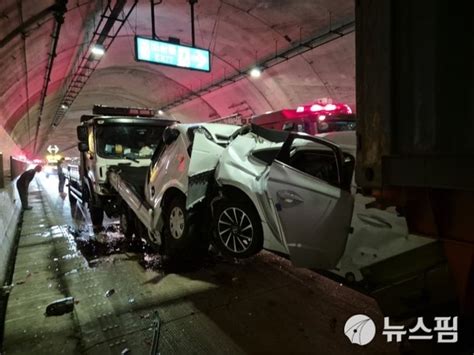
<point>255,73</point>
<point>98,50</point>
<point>64,106</point>
<point>160,112</point>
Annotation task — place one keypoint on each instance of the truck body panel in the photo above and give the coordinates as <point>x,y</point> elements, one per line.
<point>415,104</point>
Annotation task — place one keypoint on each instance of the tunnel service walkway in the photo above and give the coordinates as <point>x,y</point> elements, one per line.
<point>259,305</point>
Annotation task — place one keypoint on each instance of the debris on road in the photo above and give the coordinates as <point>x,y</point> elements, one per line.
<point>60,307</point>
<point>156,334</point>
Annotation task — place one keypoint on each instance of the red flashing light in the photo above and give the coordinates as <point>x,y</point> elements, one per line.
<point>320,110</point>
<point>330,107</point>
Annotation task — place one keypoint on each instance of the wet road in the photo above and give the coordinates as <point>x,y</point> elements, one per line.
<point>124,296</point>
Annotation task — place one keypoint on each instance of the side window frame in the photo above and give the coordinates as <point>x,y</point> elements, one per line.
<point>284,154</point>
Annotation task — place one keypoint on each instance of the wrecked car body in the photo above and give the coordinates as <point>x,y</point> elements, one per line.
<point>293,200</point>
<point>155,200</point>
<point>268,196</point>
<point>251,188</point>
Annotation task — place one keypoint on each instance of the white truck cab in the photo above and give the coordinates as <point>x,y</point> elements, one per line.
<point>111,137</point>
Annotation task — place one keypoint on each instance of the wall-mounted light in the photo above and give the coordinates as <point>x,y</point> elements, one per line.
<point>64,106</point>
<point>255,72</point>
<point>98,50</point>
<point>160,112</point>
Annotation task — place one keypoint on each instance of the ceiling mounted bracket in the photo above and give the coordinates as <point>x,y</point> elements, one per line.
<point>153,25</point>
<point>193,37</point>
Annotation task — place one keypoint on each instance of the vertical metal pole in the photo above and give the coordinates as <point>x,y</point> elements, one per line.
<point>192,2</point>
<point>153,32</point>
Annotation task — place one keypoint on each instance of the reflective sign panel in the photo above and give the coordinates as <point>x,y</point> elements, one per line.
<point>176,55</point>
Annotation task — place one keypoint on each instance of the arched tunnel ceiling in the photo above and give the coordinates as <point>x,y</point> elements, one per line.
<point>238,33</point>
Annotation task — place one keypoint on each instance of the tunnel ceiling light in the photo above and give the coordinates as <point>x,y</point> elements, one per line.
<point>64,106</point>
<point>160,112</point>
<point>98,50</point>
<point>255,73</point>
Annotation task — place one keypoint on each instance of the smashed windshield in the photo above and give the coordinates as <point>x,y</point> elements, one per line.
<point>126,141</point>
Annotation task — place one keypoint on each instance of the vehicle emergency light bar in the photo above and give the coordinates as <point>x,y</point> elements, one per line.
<point>327,108</point>
<point>122,111</point>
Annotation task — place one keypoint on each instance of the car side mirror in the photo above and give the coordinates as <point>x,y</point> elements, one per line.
<point>82,133</point>
<point>170,135</point>
<point>83,147</point>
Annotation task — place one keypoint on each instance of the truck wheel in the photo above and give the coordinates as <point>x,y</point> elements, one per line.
<point>127,223</point>
<point>179,231</point>
<point>97,215</point>
<point>237,228</point>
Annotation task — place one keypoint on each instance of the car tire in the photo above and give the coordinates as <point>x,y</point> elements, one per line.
<point>180,232</point>
<point>97,215</point>
<point>237,228</point>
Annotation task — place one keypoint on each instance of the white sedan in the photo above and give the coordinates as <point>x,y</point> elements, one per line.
<point>294,194</point>
<point>282,191</point>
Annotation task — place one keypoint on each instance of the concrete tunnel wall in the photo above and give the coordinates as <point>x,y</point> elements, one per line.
<point>9,205</point>
<point>9,217</point>
<point>8,148</point>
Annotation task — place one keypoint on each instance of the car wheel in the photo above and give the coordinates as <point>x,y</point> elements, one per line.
<point>97,215</point>
<point>237,229</point>
<point>179,232</point>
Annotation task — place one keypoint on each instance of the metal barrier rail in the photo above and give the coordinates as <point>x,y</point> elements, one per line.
<point>17,167</point>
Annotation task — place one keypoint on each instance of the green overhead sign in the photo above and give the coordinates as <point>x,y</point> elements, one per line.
<point>175,55</point>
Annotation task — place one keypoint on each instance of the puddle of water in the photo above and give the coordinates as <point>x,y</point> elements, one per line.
<point>111,246</point>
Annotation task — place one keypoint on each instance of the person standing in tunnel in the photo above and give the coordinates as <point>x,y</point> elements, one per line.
<point>23,183</point>
<point>61,176</point>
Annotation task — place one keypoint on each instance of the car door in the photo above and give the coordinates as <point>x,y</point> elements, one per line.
<point>312,199</point>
